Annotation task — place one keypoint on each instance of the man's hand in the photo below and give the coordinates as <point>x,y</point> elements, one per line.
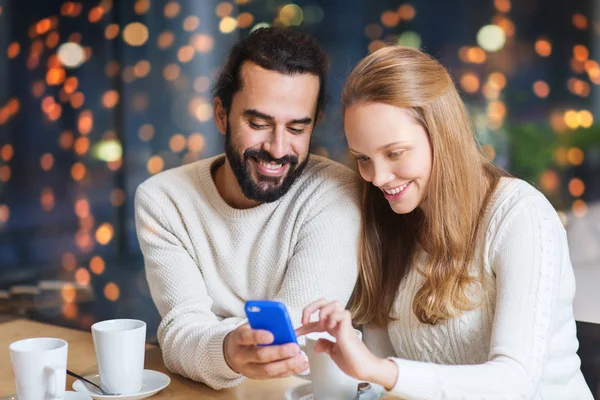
<point>244,355</point>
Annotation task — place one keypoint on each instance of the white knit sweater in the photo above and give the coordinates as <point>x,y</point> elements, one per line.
<point>204,259</point>
<point>520,343</point>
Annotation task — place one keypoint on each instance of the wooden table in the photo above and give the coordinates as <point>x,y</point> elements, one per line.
<point>83,361</point>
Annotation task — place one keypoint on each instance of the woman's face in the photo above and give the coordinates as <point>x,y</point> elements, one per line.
<point>392,150</point>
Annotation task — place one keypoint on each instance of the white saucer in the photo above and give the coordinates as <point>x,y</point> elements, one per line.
<point>153,382</point>
<point>304,392</point>
<point>69,395</point>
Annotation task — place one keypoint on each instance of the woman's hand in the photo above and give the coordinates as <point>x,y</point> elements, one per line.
<point>348,352</point>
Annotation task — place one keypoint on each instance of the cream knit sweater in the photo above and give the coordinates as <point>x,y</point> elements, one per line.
<point>520,343</point>
<point>204,259</point>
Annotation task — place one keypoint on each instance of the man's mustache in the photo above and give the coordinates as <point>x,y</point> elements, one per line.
<point>265,156</point>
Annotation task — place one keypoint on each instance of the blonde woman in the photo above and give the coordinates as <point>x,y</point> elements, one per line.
<point>465,284</point>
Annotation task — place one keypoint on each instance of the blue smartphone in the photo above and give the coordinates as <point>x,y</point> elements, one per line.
<point>271,316</point>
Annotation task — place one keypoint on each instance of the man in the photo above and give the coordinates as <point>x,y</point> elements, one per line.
<point>264,221</point>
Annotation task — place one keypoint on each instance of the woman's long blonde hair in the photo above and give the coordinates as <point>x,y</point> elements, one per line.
<point>407,78</point>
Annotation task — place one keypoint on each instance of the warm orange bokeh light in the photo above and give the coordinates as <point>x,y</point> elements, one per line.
<point>111,291</point>
<point>497,80</point>
<point>146,132</point>
<point>55,76</point>
<point>71,84</point>
<point>4,213</point>
<point>68,293</point>
<point>110,98</point>
<point>5,173</point>
<point>581,53</point>
<point>165,40</point>
<point>82,208</point>
<point>96,14</point>
<point>202,43</point>
<point>7,152</point>
<point>155,165</point>
<point>177,143</point>
<point>82,276</point>
<point>13,50</point>
<point>190,23</point>
<point>65,140</point>
<point>85,122</point>
<point>77,99</point>
<point>47,162</point>
<point>111,31</point>
<point>141,6</point>
<point>52,40</point>
<point>502,5</point>
<point>224,10</point>
<point>69,310</point>
<point>196,142</point>
<point>543,47</point>
<point>97,265</point>
<point>47,199</point>
<point>469,82</point>
<point>575,156</point>
<point>172,9</point>
<point>390,19</point>
<point>579,21</point>
<point>549,181</point>
<point>43,26</point>
<point>245,19</point>
<point>406,12</point>
<point>185,53</point>
<point>117,197</point>
<point>576,187</point>
<point>81,146</point>
<point>78,171</point>
<point>104,233</point>
<point>541,89</point>
<point>141,69</point>
<point>171,72</point>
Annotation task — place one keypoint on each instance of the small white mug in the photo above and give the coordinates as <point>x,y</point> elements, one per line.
<point>328,381</point>
<point>40,368</point>
<point>120,346</point>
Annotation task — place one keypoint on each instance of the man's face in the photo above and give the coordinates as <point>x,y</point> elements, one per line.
<point>268,130</point>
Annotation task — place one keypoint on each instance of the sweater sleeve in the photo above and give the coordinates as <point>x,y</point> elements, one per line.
<point>190,334</point>
<point>324,261</point>
<point>525,256</point>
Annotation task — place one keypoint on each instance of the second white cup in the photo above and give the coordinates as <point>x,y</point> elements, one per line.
<point>120,346</point>
<point>40,368</point>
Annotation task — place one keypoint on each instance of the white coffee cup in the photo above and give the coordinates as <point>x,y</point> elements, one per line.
<point>40,368</point>
<point>120,348</point>
<point>328,381</point>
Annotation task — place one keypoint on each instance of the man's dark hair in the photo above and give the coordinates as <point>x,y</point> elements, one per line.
<point>275,49</point>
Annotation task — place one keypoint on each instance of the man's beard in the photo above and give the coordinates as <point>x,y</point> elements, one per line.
<point>268,188</point>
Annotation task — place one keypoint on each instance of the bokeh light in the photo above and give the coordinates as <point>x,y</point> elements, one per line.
<point>104,233</point>
<point>155,165</point>
<point>491,38</point>
<point>541,89</point>
<point>543,47</point>
<point>228,25</point>
<point>71,55</point>
<point>97,265</point>
<point>111,291</point>
<point>135,34</point>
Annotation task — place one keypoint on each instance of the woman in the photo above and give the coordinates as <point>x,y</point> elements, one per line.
<point>465,282</point>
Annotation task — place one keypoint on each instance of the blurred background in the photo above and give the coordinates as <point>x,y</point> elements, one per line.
<point>97,96</point>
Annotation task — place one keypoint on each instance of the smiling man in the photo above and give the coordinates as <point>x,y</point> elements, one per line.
<point>262,221</point>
